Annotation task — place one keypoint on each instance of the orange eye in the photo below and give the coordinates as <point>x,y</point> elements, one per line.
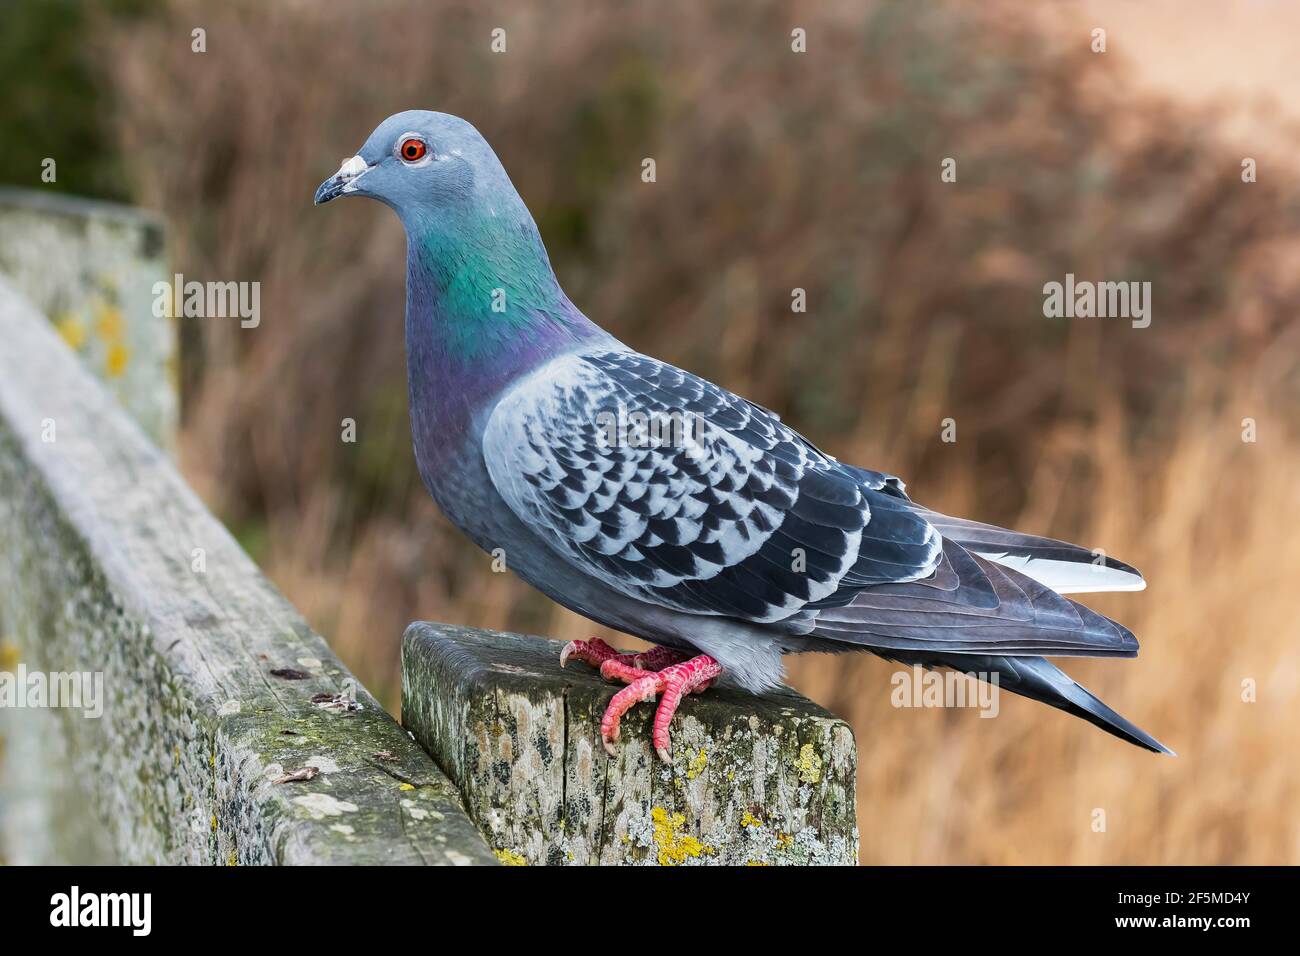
<point>412,150</point>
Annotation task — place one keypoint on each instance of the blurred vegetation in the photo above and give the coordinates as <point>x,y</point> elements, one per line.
<point>56,104</point>
<point>778,171</point>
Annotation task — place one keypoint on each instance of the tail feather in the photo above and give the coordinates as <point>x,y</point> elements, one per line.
<point>1040,680</point>
<point>1065,568</point>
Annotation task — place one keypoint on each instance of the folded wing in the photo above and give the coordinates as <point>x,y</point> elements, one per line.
<point>674,491</point>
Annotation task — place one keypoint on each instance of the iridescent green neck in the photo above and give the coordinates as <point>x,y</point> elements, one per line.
<point>487,282</point>
<point>482,309</point>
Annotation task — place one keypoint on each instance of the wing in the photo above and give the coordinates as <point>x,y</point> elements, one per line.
<point>674,491</point>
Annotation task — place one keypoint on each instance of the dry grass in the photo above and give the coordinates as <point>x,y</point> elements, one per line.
<point>777,172</point>
<point>1022,788</point>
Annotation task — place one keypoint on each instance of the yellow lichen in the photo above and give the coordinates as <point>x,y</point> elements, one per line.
<point>72,330</point>
<point>749,820</point>
<point>406,786</point>
<point>696,765</point>
<point>510,858</point>
<point>214,823</point>
<point>9,656</point>
<point>115,360</point>
<point>782,841</point>
<point>109,323</point>
<point>809,764</point>
<point>674,846</point>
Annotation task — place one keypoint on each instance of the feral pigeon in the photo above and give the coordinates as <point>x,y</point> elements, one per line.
<point>661,505</point>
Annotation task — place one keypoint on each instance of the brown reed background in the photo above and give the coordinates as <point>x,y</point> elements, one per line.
<point>776,171</point>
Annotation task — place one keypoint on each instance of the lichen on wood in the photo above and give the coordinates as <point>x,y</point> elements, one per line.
<point>754,780</point>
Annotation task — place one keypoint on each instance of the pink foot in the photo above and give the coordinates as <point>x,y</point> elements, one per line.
<point>673,682</point>
<point>614,665</point>
<point>594,652</point>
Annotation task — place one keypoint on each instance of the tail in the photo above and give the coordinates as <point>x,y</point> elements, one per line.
<point>1040,680</point>
<point>1065,568</point>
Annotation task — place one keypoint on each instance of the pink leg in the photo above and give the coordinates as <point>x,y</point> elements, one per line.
<point>615,666</point>
<point>630,667</point>
<point>673,682</point>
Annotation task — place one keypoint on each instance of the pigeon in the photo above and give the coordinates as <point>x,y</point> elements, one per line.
<point>663,506</point>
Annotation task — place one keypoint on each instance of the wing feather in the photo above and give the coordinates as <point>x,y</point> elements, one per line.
<point>730,514</point>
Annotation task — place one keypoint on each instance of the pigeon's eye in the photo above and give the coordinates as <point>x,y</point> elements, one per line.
<point>412,150</point>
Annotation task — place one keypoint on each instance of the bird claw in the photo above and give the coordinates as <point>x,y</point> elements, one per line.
<point>614,665</point>
<point>660,670</point>
<point>594,652</point>
<point>673,683</point>
<point>616,669</point>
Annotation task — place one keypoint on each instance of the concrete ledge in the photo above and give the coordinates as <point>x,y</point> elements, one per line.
<point>766,780</point>
<point>214,688</point>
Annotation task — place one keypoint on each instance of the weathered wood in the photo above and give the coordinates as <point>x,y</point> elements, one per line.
<point>765,780</point>
<point>91,267</point>
<point>109,563</point>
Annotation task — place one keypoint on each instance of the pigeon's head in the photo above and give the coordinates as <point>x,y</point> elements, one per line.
<point>425,165</point>
<point>465,223</point>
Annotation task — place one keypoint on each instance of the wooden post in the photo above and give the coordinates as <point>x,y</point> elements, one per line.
<point>754,780</point>
<point>91,267</point>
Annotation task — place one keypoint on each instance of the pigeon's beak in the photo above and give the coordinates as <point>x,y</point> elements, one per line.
<point>342,182</point>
